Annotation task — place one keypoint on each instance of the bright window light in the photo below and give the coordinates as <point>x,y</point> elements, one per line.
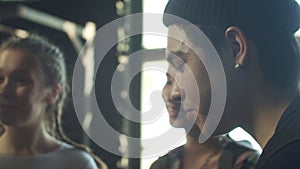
<point>154,41</point>
<point>154,80</point>
<point>298,32</point>
<point>239,134</point>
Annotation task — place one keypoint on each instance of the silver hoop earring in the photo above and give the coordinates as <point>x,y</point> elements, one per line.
<point>239,67</point>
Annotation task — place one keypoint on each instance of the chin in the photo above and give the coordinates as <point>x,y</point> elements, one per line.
<point>176,123</point>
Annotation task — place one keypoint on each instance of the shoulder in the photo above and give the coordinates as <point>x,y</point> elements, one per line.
<point>239,154</point>
<point>247,159</point>
<point>286,157</point>
<point>71,151</point>
<point>236,147</point>
<point>75,155</point>
<point>65,157</point>
<point>173,157</point>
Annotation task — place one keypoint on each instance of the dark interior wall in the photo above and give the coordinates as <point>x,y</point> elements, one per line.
<point>79,11</point>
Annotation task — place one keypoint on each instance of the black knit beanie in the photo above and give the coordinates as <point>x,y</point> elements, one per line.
<point>250,14</point>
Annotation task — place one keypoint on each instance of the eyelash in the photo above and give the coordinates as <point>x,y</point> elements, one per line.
<point>16,80</point>
<point>20,81</point>
<point>177,62</point>
<point>169,82</point>
<point>179,65</point>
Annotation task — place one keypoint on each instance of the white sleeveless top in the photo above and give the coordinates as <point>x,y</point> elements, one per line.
<point>65,157</point>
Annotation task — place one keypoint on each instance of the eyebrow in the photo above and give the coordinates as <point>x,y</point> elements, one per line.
<point>21,71</point>
<point>25,72</point>
<point>171,57</point>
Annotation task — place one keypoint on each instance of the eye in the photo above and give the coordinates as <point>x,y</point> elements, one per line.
<point>21,80</point>
<point>169,82</point>
<point>176,61</point>
<point>179,64</point>
<point>1,78</point>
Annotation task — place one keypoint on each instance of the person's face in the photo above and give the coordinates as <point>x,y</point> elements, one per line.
<point>188,68</point>
<point>22,89</point>
<point>196,99</point>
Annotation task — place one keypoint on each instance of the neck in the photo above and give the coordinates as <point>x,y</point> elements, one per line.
<point>267,113</point>
<point>29,140</point>
<point>192,145</point>
<point>204,154</point>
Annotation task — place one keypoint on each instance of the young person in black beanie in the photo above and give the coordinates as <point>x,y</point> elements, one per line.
<point>220,152</point>
<point>260,56</point>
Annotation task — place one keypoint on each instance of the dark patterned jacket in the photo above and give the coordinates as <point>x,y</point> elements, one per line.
<point>235,155</point>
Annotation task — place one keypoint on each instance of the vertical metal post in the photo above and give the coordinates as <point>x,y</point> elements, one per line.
<point>130,128</point>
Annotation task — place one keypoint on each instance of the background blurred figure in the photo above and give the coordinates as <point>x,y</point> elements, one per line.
<point>33,87</point>
<point>220,152</point>
<point>260,56</point>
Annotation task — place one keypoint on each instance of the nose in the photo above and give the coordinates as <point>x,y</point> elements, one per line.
<point>176,93</point>
<point>5,87</point>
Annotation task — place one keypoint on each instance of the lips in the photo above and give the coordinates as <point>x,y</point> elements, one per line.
<point>173,110</point>
<point>6,106</point>
<point>173,113</point>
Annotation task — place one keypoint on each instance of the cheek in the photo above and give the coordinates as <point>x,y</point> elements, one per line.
<point>24,94</point>
<point>164,92</point>
<point>27,99</point>
<point>204,86</point>
<point>24,100</point>
<point>198,91</point>
<point>23,110</point>
<point>196,82</point>
<point>31,106</point>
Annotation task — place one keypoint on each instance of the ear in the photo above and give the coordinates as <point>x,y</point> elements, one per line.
<point>53,94</point>
<point>239,43</point>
